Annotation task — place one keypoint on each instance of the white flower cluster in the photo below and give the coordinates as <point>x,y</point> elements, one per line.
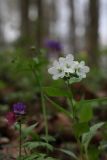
<point>68,68</point>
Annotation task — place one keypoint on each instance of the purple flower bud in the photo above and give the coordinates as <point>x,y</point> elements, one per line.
<point>19,108</point>
<point>54,45</point>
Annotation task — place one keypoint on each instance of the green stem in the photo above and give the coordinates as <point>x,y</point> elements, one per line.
<point>71,100</point>
<point>44,114</point>
<point>42,103</point>
<point>75,121</point>
<point>86,154</point>
<point>25,151</point>
<point>20,138</point>
<point>81,149</point>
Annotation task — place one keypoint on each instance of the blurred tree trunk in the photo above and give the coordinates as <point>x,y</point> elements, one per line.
<point>45,21</point>
<point>92,32</point>
<point>47,9</point>
<point>25,24</point>
<point>72,26</point>
<point>1,34</point>
<point>39,24</point>
<point>54,18</point>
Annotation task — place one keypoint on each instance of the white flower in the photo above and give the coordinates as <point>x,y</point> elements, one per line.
<point>62,67</point>
<point>69,65</point>
<point>68,68</point>
<point>57,70</point>
<point>70,57</point>
<point>81,69</point>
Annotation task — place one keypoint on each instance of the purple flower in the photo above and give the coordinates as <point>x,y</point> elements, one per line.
<point>19,108</point>
<point>54,45</point>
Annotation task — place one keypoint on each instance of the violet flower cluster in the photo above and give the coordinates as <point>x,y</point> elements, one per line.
<point>18,110</point>
<point>53,45</point>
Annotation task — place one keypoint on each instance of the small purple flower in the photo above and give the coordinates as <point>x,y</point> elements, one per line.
<point>54,45</point>
<point>19,108</point>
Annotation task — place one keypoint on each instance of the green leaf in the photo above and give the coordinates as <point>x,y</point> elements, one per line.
<point>30,157</point>
<point>103,145</point>
<point>59,108</point>
<point>33,145</point>
<point>48,138</point>
<point>54,92</point>
<point>26,131</point>
<point>50,158</point>
<point>2,84</point>
<point>93,101</point>
<point>93,153</point>
<point>86,137</point>
<point>80,128</point>
<point>36,156</point>
<point>69,153</point>
<point>33,156</point>
<point>85,113</point>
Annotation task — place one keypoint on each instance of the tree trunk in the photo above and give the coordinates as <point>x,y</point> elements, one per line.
<point>39,25</point>
<point>25,24</point>
<point>92,32</point>
<point>72,26</point>
<point>47,9</point>
<point>1,34</point>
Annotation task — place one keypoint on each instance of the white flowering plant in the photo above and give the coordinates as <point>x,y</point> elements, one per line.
<point>81,112</point>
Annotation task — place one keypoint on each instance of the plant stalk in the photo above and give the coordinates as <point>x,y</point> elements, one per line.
<point>42,103</point>
<point>75,121</point>
<point>71,100</point>
<point>20,138</point>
